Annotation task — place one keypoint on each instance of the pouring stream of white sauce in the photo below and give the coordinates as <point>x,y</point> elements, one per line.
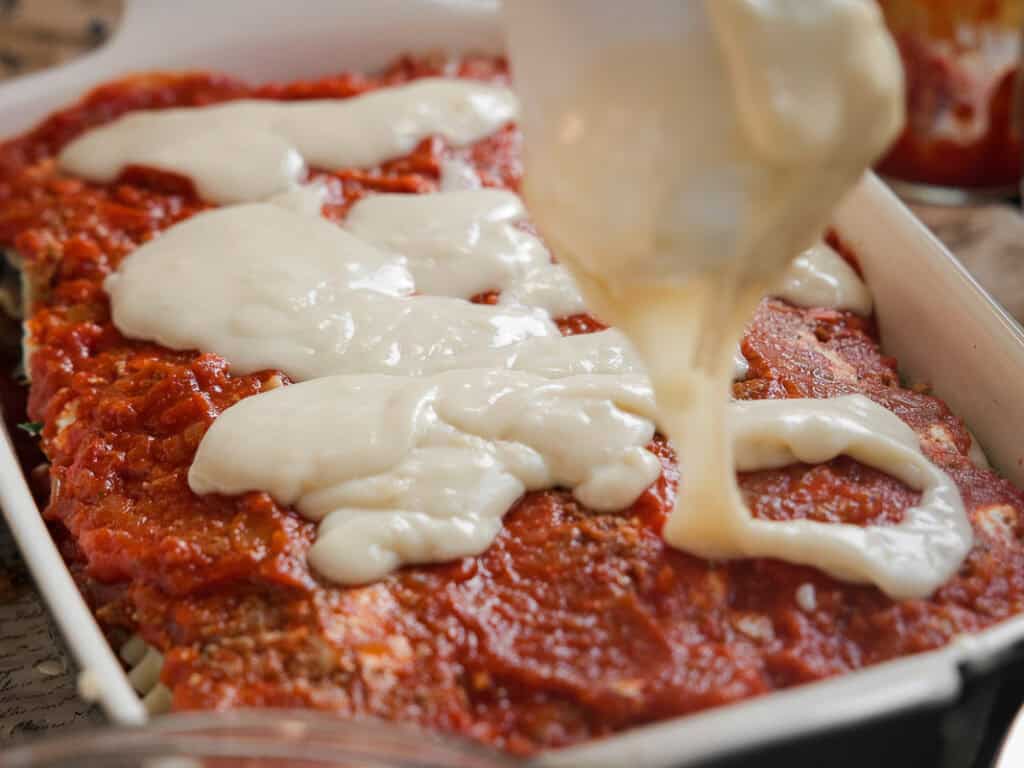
<point>676,159</point>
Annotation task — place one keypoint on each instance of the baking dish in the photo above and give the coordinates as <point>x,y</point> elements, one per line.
<point>255,739</point>
<point>939,309</point>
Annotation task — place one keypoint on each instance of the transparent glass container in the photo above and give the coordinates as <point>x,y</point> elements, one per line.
<point>962,139</point>
<point>253,739</point>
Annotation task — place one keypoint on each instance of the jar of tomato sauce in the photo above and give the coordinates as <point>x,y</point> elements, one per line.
<point>962,140</point>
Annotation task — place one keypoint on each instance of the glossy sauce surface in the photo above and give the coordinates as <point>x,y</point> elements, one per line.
<point>485,646</point>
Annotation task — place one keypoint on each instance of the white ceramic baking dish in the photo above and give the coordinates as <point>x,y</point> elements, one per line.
<point>934,317</point>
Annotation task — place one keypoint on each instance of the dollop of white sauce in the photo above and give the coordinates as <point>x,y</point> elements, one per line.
<point>268,288</point>
<point>306,199</point>
<point>280,140</point>
<point>455,243</point>
<point>740,366</point>
<point>807,598</point>
<point>550,287</point>
<point>465,243</point>
<point>820,277</point>
<point>406,470</point>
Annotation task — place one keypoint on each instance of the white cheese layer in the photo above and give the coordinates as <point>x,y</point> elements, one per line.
<point>248,150</point>
<point>820,277</point>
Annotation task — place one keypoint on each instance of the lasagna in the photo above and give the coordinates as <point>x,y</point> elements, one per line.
<point>573,619</point>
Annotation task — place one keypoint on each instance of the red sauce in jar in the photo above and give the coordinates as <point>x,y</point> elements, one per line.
<point>961,72</point>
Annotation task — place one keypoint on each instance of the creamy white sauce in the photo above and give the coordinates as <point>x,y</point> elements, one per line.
<point>458,175</point>
<point>797,101</point>
<point>439,460</point>
<point>905,560</point>
<point>606,352</point>
<point>820,277</point>
<point>248,150</point>
<point>740,366</point>
<point>455,243</point>
<point>306,199</point>
<point>467,242</point>
<point>550,287</point>
<point>411,470</point>
<point>268,288</point>
<point>674,227</point>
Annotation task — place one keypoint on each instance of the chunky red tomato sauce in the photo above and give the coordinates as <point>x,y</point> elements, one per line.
<point>574,624</point>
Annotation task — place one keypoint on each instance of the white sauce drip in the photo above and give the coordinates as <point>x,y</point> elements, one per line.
<point>279,140</point>
<point>820,277</point>
<point>795,101</point>
<point>431,464</point>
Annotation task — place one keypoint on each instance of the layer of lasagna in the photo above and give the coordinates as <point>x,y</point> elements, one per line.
<point>573,624</point>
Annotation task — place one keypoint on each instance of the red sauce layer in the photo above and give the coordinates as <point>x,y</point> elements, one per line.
<point>572,625</point>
